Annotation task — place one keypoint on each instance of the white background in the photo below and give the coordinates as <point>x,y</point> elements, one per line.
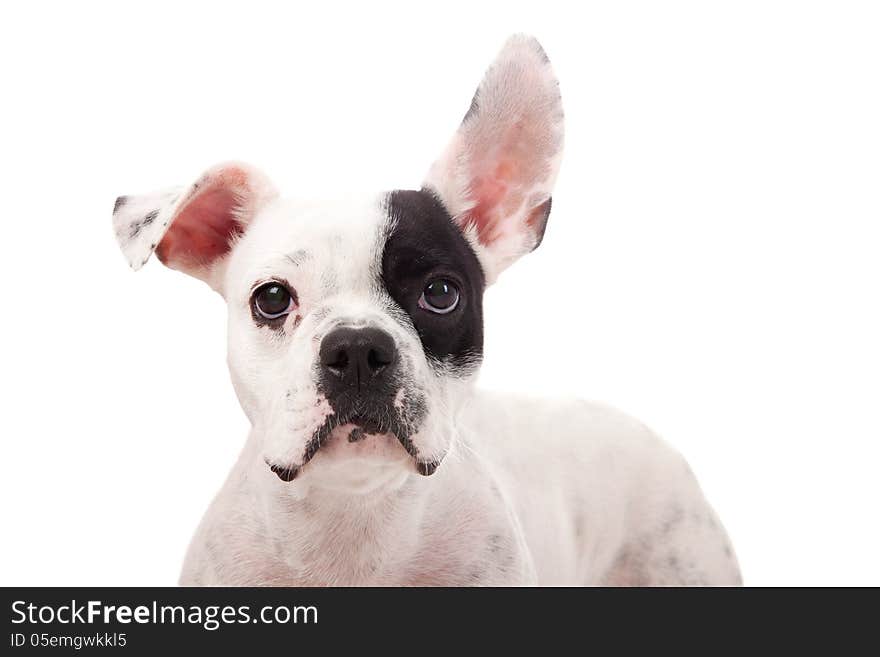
<point>711,263</point>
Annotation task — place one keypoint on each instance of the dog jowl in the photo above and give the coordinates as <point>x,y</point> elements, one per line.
<point>355,331</point>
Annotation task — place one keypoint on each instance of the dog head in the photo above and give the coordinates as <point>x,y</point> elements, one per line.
<point>355,327</point>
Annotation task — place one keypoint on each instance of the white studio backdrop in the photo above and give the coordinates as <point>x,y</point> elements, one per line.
<point>710,266</point>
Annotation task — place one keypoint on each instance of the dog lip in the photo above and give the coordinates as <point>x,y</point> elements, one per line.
<point>285,473</point>
<point>368,424</point>
<point>364,425</point>
<point>423,467</point>
<point>427,468</point>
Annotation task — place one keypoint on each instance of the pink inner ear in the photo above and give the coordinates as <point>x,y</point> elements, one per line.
<point>489,192</point>
<point>202,230</point>
<point>502,174</point>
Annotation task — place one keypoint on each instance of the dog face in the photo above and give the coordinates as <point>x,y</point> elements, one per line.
<point>355,327</point>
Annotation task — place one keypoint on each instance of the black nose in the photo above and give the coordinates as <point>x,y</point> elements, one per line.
<point>357,358</point>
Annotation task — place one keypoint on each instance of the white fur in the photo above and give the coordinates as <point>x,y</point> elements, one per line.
<point>329,251</point>
<point>527,491</point>
<point>533,492</point>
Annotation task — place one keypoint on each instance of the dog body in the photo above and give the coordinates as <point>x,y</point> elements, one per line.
<point>355,331</point>
<point>597,500</point>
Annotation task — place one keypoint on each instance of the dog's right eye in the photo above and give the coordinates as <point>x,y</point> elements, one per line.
<point>273,300</point>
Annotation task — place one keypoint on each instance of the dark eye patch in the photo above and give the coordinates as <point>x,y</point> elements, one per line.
<point>424,245</point>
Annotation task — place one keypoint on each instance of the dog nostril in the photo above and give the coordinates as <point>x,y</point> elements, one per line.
<point>377,361</point>
<point>338,361</point>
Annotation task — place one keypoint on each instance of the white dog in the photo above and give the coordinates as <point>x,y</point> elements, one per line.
<point>355,331</point>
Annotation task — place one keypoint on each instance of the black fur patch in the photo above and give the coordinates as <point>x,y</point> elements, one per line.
<point>474,108</point>
<point>137,227</point>
<point>425,244</point>
<point>542,214</point>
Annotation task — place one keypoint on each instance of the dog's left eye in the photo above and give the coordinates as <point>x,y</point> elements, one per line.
<point>272,300</point>
<point>439,296</point>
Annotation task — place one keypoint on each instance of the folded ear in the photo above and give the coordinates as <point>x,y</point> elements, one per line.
<point>192,228</point>
<point>497,173</point>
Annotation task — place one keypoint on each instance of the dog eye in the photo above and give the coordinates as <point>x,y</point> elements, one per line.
<point>272,300</point>
<point>439,296</point>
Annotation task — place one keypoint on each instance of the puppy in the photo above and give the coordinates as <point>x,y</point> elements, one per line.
<point>355,331</point>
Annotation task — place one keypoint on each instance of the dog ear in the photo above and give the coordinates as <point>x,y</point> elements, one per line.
<point>192,228</point>
<point>496,175</point>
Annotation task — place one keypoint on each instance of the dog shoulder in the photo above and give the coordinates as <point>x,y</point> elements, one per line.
<point>569,424</point>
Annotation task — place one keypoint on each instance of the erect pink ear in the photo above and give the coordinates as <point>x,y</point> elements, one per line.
<point>496,175</point>
<point>192,229</point>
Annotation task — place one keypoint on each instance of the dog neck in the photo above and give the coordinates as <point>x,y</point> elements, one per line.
<point>325,532</point>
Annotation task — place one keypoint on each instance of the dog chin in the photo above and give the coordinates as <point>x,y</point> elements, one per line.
<point>357,462</point>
